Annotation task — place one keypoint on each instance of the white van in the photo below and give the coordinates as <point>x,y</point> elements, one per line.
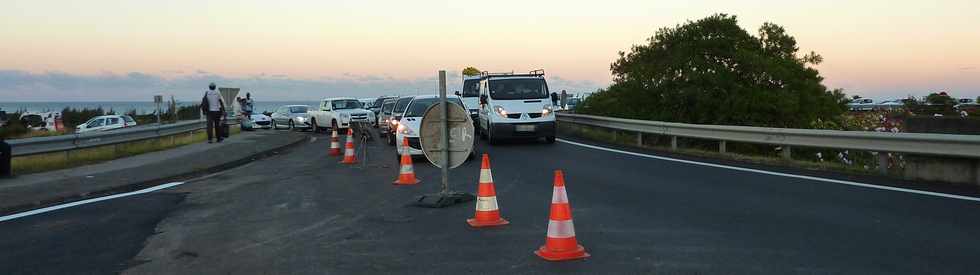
<point>471,95</point>
<point>515,106</point>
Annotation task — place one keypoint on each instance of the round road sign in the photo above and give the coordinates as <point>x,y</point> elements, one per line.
<point>460,135</point>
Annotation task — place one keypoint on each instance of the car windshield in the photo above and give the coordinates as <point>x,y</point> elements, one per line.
<point>531,88</point>
<point>344,104</point>
<point>379,102</point>
<point>386,108</point>
<point>418,107</point>
<point>471,88</point>
<point>401,104</point>
<point>298,109</point>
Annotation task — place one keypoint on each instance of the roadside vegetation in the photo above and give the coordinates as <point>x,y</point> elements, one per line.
<point>712,71</point>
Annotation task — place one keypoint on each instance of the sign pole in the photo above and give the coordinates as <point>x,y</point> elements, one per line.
<point>445,132</point>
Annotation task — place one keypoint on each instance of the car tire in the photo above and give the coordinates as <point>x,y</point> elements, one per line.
<point>291,126</point>
<point>490,138</point>
<point>274,125</point>
<point>316,128</point>
<point>333,126</point>
<point>550,140</point>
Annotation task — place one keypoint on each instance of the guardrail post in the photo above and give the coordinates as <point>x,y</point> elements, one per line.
<point>5,158</point>
<point>883,163</point>
<point>787,152</point>
<point>639,139</point>
<point>722,146</point>
<point>673,143</point>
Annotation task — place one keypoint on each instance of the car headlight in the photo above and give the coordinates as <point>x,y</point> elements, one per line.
<point>547,111</point>
<point>500,111</point>
<point>394,122</point>
<point>300,119</point>
<point>405,130</point>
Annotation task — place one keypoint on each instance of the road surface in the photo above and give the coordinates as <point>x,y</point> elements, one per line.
<point>301,212</point>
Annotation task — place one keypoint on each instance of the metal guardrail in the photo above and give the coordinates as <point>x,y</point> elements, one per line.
<point>967,146</point>
<point>41,145</point>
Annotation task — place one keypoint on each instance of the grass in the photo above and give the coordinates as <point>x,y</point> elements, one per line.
<point>61,160</point>
<point>699,149</point>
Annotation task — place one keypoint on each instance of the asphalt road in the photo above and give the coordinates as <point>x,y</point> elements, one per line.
<point>303,213</point>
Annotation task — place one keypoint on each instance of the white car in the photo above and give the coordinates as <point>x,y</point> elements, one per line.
<point>258,121</point>
<point>411,121</point>
<point>105,123</point>
<point>293,117</point>
<point>339,113</point>
<point>861,104</point>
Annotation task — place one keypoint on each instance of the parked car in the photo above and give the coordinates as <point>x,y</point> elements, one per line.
<point>366,102</point>
<point>338,114</point>
<point>516,106</point>
<point>257,121</point>
<point>293,117</point>
<point>861,104</point>
<point>3,118</point>
<point>396,115</point>
<point>894,104</point>
<point>105,123</point>
<point>411,121</point>
<point>46,121</point>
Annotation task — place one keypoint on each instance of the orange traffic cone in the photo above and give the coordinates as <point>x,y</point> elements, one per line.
<point>334,144</point>
<point>487,213</point>
<point>349,157</point>
<point>561,244</point>
<point>406,174</point>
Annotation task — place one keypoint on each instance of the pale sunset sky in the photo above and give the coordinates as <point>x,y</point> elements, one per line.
<point>301,50</point>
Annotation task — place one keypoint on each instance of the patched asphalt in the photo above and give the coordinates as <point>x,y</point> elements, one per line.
<point>301,212</point>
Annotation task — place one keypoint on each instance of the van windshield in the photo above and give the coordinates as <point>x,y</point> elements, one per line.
<point>533,88</point>
<point>419,106</point>
<point>471,88</point>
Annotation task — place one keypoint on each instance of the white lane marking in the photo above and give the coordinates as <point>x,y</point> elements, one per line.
<point>88,201</point>
<point>851,183</point>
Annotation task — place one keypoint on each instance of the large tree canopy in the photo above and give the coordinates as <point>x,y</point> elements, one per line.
<point>712,71</point>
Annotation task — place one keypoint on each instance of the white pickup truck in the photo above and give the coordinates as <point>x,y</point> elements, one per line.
<point>338,113</point>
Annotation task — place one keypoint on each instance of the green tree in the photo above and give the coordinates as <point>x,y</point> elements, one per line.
<point>940,99</point>
<point>471,71</point>
<point>712,71</point>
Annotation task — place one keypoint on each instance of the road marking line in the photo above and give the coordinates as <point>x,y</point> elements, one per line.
<point>851,183</point>
<point>88,201</point>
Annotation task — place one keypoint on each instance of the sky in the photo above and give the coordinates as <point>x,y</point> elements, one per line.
<point>306,50</point>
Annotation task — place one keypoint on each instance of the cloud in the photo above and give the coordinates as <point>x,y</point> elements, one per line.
<point>18,85</point>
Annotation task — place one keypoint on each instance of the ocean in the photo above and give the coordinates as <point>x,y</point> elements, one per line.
<point>141,107</point>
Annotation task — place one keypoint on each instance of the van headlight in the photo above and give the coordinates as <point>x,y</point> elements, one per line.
<point>547,111</point>
<point>500,111</point>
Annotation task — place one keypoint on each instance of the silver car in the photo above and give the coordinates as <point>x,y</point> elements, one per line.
<point>293,117</point>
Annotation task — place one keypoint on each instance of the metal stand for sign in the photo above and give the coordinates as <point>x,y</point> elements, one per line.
<point>445,197</point>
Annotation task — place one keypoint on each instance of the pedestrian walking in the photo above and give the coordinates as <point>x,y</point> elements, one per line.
<point>213,108</point>
<point>564,99</point>
<point>554,99</point>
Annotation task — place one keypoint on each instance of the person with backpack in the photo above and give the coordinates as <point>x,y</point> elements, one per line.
<point>213,108</point>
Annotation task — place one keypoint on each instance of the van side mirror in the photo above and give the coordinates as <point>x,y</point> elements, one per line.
<point>483,99</point>
<point>458,94</point>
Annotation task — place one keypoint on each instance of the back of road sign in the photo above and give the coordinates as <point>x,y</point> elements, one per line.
<point>460,135</point>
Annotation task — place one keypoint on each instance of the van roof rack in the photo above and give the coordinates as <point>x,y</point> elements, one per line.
<point>538,73</point>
